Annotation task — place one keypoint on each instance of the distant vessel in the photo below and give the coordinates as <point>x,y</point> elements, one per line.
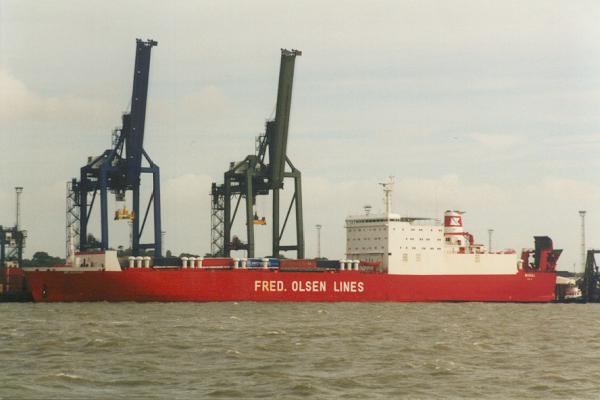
<point>390,258</point>
<point>13,286</point>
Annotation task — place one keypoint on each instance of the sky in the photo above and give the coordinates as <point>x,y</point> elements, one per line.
<point>488,107</point>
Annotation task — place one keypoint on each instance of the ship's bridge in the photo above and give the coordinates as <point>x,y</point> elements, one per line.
<point>421,246</point>
<point>376,237</point>
<point>353,220</point>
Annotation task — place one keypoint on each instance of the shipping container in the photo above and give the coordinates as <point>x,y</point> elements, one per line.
<point>328,264</point>
<point>286,264</point>
<point>258,263</point>
<point>217,262</point>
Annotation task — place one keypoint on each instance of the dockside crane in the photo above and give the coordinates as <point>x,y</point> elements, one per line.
<point>258,175</point>
<point>591,278</point>
<point>119,170</point>
<point>12,239</point>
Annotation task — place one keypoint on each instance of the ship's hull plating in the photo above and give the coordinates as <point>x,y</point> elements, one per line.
<point>203,285</point>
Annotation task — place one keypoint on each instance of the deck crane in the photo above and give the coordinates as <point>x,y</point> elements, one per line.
<point>119,169</point>
<point>258,175</point>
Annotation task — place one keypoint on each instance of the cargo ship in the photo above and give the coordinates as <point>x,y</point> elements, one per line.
<point>388,258</point>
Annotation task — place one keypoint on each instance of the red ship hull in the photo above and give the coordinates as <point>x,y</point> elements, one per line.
<point>203,285</point>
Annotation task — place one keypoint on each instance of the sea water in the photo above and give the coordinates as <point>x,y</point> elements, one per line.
<point>295,350</point>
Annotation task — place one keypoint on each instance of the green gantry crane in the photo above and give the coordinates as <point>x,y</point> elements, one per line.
<point>258,175</point>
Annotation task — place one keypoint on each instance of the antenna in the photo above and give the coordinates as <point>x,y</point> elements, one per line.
<point>388,188</point>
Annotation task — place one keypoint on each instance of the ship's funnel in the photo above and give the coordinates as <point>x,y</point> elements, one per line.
<point>453,222</point>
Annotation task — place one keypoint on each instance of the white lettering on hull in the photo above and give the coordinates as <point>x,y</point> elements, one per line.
<point>309,286</point>
<point>349,287</point>
<point>273,286</point>
<point>269,286</point>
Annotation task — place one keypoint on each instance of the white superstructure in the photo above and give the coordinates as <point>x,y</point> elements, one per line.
<point>422,246</point>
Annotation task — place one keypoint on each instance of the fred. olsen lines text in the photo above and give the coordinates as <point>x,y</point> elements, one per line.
<point>309,286</point>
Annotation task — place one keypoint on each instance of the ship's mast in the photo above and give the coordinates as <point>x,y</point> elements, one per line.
<point>388,188</point>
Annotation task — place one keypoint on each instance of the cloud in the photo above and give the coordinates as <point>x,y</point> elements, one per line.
<point>186,213</point>
<point>495,141</point>
<point>202,107</point>
<point>43,217</point>
<point>21,105</point>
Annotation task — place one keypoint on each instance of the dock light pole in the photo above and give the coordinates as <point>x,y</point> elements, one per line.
<point>18,190</point>
<point>318,226</point>
<point>582,214</point>
<point>490,232</point>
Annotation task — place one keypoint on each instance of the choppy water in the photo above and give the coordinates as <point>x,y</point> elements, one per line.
<point>249,350</point>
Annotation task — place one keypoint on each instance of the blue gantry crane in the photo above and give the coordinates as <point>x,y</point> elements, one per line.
<point>120,168</point>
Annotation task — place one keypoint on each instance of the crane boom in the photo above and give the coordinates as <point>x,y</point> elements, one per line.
<point>278,136</point>
<point>134,142</point>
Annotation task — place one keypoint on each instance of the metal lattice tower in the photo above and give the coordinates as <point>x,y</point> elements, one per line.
<point>217,226</point>
<point>12,240</point>
<point>72,218</point>
<point>582,214</point>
